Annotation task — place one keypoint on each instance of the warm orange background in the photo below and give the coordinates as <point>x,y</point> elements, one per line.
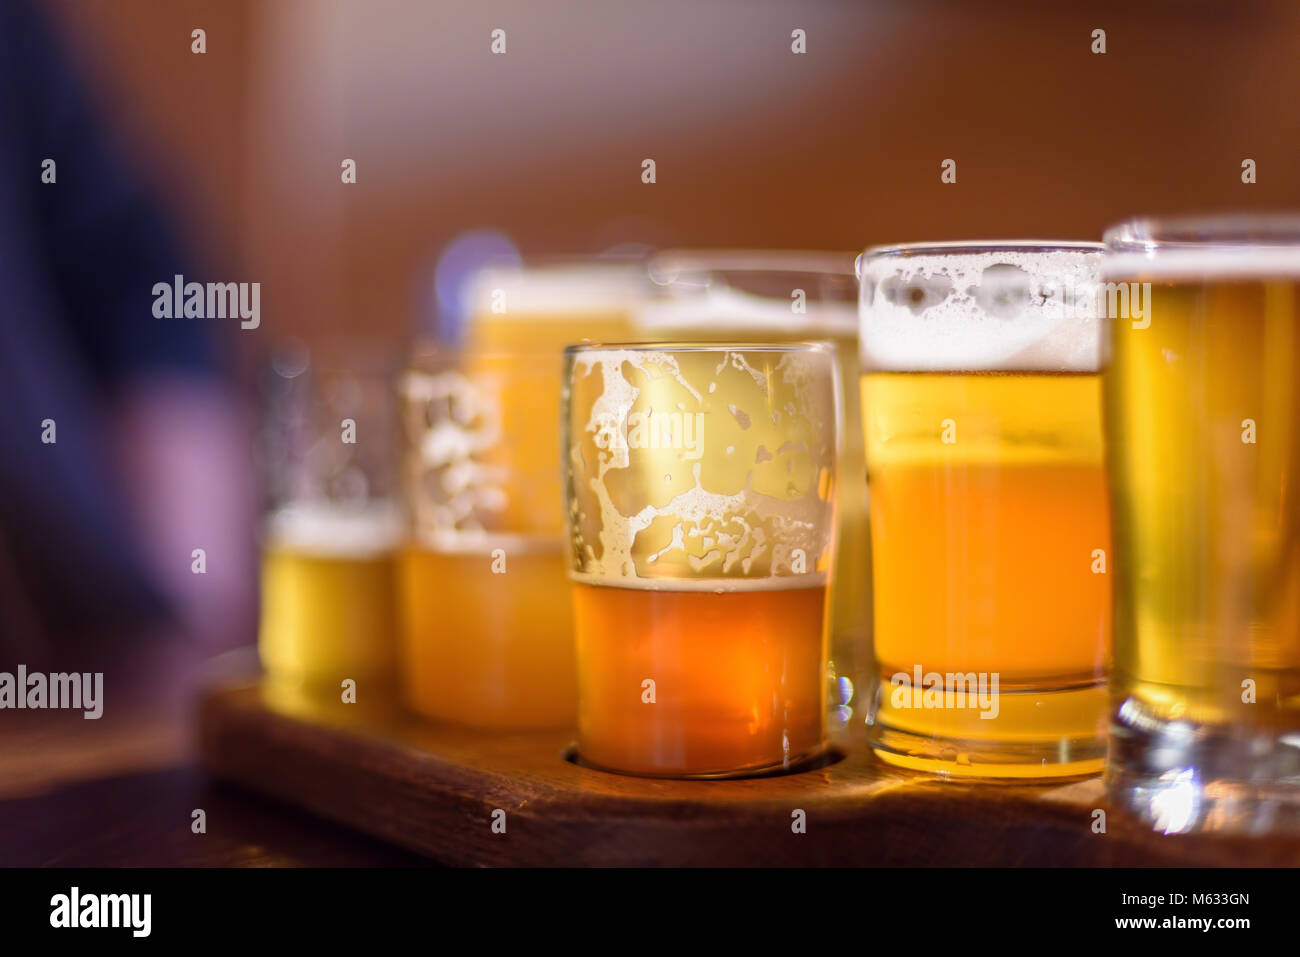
<point>755,146</point>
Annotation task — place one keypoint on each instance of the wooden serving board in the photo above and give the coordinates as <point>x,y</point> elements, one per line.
<point>435,789</point>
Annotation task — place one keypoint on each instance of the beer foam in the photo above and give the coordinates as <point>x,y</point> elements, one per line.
<point>731,311</point>
<point>337,530</point>
<point>981,308</point>
<point>1205,262</point>
<point>558,291</point>
<point>718,586</point>
<point>734,529</point>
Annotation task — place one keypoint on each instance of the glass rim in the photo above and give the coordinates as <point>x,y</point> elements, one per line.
<point>564,261</point>
<point>666,267</point>
<point>430,351</point>
<point>1230,245</point>
<point>721,345</point>
<point>976,246</point>
<point>1225,231</point>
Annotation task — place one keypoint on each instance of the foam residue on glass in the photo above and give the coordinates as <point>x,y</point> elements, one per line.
<point>702,466</point>
<point>987,309</point>
<point>450,422</point>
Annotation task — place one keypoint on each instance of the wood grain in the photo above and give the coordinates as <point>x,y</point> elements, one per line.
<point>434,788</point>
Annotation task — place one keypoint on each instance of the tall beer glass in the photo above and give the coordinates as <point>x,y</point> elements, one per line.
<point>1203,435</point>
<point>486,618</point>
<point>990,530</point>
<point>701,493</point>
<point>789,297</point>
<point>328,592</point>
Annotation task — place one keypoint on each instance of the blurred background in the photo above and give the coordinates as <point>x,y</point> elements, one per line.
<point>225,166</point>
<point>837,148</point>
<point>755,147</point>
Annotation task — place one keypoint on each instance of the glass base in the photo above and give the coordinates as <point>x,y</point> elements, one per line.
<point>322,701</point>
<point>1036,735</point>
<point>820,758</point>
<point>1179,777</point>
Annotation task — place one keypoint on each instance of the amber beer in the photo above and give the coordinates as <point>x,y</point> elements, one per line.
<point>790,296</point>
<point>701,518</point>
<point>486,616</point>
<point>489,634</point>
<point>533,313</point>
<point>990,525</point>
<point>738,675</point>
<point>1203,427</point>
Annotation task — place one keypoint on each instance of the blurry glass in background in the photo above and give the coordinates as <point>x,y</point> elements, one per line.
<point>771,296</point>
<point>328,588</point>
<point>982,404</point>
<point>1203,429</point>
<point>487,619</point>
<point>544,307</point>
<point>534,312</point>
<point>486,623</point>
<point>700,486</point>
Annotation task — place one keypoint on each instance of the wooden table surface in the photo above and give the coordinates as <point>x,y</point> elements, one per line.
<point>438,788</point>
<point>120,791</point>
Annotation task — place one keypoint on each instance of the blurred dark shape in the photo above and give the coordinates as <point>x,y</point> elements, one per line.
<point>142,417</point>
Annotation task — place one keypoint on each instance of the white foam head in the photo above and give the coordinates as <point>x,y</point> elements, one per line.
<point>981,306</point>
<point>743,293</point>
<point>326,529</point>
<point>561,289</point>
<point>733,312</point>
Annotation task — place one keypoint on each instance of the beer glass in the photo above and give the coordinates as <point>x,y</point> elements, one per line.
<point>788,297</point>
<point>328,445</point>
<point>1203,437</point>
<point>486,618</point>
<point>700,481</point>
<point>541,308</point>
<point>990,530</point>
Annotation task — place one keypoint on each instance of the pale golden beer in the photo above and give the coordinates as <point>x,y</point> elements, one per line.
<point>1203,427</point>
<point>790,297</point>
<point>328,632</point>
<point>701,485</point>
<point>486,616</point>
<point>990,525</point>
<point>328,591</point>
